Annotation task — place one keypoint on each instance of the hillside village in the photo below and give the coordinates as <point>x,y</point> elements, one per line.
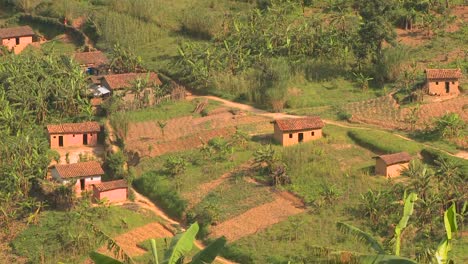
<point>233,132</point>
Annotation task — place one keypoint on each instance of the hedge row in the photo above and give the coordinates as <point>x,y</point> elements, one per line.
<point>161,191</point>
<point>78,36</point>
<point>383,142</point>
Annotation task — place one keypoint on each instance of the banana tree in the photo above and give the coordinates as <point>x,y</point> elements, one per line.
<point>407,212</point>
<point>451,227</point>
<point>381,257</point>
<point>180,246</point>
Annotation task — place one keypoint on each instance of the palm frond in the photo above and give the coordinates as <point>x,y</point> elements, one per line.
<point>361,236</point>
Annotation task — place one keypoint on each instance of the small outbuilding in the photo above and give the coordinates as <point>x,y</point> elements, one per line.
<point>73,134</point>
<point>93,62</point>
<point>443,82</point>
<point>16,38</point>
<point>123,81</point>
<point>112,191</point>
<point>391,165</point>
<point>296,130</point>
<point>84,173</point>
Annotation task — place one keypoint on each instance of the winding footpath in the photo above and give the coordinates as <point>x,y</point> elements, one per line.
<point>249,108</point>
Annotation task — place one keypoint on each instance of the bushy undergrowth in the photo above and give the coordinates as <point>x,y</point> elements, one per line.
<point>383,142</point>
<point>161,191</point>
<point>430,155</point>
<point>68,236</point>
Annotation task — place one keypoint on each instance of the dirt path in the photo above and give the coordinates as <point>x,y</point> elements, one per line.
<point>245,107</point>
<point>147,204</point>
<point>258,218</point>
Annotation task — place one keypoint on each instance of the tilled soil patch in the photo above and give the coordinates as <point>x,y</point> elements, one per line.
<point>258,218</point>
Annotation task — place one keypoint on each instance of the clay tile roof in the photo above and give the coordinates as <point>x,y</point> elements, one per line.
<point>80,169</point>
<point>401,157</point>
<point>69,128</point>
<point>443,73</point>
<point>14,32</point>
<point>293,124</point>
<point>92,57</point>
<point>111,185</point>
<point>125,80</point>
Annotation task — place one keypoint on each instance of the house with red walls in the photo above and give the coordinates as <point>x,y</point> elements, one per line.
<point>16,38</point>
<point>73,134</point>
<point>443,82</point>
<point>112,191</point>
<point>84,173</point>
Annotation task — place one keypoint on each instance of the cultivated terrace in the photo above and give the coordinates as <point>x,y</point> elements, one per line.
<point>233,131</point>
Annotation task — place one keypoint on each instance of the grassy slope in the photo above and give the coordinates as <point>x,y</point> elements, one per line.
<point>311,167</point>
<point>40,240</point>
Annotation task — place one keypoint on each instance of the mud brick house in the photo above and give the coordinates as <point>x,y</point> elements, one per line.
<point>112,191</point>
<point>121,82</point>
<point>73,134</point>
<point>443,81</point>
<point>391,165</point>
<point>84,173</point>
<point>16,38</point>
<point>296,130</point>
<point>93,62</point>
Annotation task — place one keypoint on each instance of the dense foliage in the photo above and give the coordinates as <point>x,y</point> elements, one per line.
<point>36,88</point>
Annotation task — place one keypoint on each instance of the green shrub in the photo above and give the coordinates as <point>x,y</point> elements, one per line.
<point>383,142</point>
<point>160,190</point>
<point>114,165</point>
<point>430,155</point>
<point>199,23</point>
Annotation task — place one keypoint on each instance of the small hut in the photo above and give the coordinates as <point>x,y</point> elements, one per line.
<point>391,165</point>
<point>113,191</point>
<point>16,38</point>
<point>443,82</point>
<point>297,130</point>
<point>93,62</point>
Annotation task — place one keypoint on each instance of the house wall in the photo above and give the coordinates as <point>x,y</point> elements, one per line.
<point>395,170</point>
<point>88,180</point>
<point>72,140</point>
<point>117,195</point>
<point>437,87</point>
<point>285,139</point>
<point>88,183</point>
<point>389,171</point>
<point>11,42</point>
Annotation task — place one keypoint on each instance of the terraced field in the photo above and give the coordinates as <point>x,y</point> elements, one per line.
<point>149,139</point>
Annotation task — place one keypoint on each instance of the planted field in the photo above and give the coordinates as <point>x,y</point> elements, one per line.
<point>183,133</point>
<point>256,219</point>
<point>385,112</point>
<point>234,197</point>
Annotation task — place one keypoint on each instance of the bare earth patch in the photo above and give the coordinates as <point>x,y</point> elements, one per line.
<point>258,218</point>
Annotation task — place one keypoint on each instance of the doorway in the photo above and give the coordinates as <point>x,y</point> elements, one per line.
<point>447,87</point>
<point>301,137</point>
<point>85,139</point>
<point>17,41</point>
<point>82,184</point>
<point>60,141</point>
